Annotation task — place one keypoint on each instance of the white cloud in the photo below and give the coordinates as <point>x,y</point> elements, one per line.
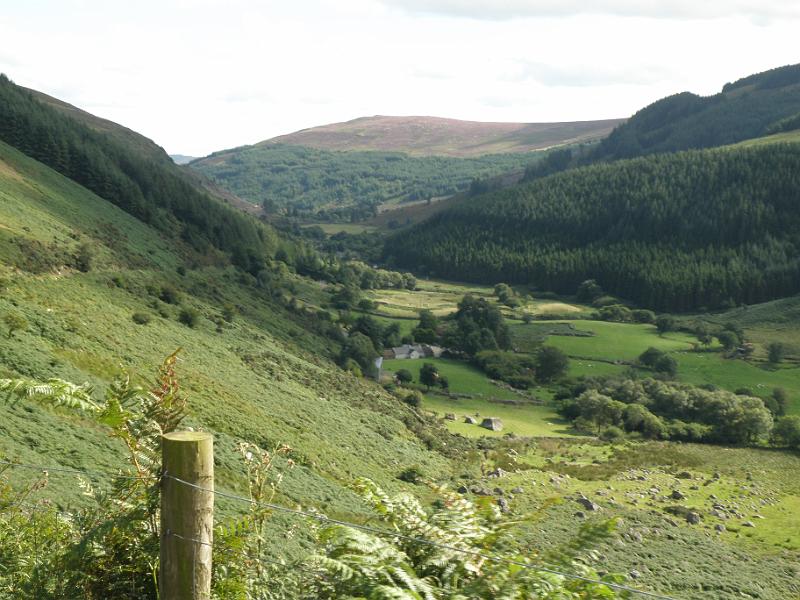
<point>759,11</point>
<point>199,76</point>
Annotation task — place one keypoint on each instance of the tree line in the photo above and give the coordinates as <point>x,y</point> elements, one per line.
<point>677,232</point>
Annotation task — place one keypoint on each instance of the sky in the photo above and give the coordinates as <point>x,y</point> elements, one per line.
<point>203,75</point>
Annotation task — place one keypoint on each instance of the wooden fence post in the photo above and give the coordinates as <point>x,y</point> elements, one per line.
<point>186,514</point>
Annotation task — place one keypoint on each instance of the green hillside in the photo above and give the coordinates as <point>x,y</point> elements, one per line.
<point>748,108</point>
<point>343,186</point>
<point>671,232</point>
<point>262,377</point>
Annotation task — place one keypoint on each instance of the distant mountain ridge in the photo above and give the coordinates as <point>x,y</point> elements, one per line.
<point>436,136</point>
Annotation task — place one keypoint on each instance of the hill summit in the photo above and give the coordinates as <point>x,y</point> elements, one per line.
<point>435,136</point>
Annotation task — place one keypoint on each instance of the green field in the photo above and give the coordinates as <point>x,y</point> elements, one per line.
<point>463,378</point>
<point>334,228</point>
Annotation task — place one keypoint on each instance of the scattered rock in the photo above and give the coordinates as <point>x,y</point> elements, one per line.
<point>580,514</point>
<point>498,472</point>
<point>719,528</point>
<point>587,504</point>
<point>498,491</point>
<point>693,518</point>
<point>684,475</point>
<point>716,476</point>
<point>470,420</point>
<point>634,574</point>
<point>677,495</point>
<point>462,489</point>
<point>480,491</point>
<point>748,524</point>
<point>503,504</point>
<point>492,423</point>
<point>450,417</point>
<point>517,490</point>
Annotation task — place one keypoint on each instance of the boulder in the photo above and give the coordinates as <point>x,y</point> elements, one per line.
<point>503,504</point>
<point>462,489</point>
<point>450,417</point>
<point>587,504</point>
<point>517,490</point>
<point>684,475</point>
<point>470,420</point>
<point>677,495</point>
<point>492,423</point>
<point>498,472</point>
<point>693,518</point>
<point>748,524</point>
<point>719,528</point>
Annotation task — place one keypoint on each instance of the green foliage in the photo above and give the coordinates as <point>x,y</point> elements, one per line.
<point>141,318</point>
<point>56,392</point>
<point>428,375</point>
<point>189,316</point>
<point>152,189</point>
<point>750,107</point>
<point>787,431</point>
<point>344,186</point>
<point>360,349</point>
<point>551,363</point>
<point>404,376</point>
<point>776,351</point>
<point>672,232</point>
<point>461,556</point>
<point>671,410</point>
<point>665,323</point>
<point>518,370</point>
<point>477,325</point>
<point>14,322</point>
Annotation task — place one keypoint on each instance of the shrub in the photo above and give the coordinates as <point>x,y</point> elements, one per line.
<point>404,376</point>
<point>776,352</point>
<point>412,474</point>
<point>84,257</point>
<point>641,315</point>
<point>612,434</point>
<point>666,365</point>
<point>141,318</point>
<point>189,316</point>
<point>169,294</point>
<point>665,323</point>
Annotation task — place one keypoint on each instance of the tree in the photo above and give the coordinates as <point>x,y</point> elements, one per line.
<point>776,352</point>
<point>641,315</point>
<point>404,376</point>
<point>84,257</point>
<point>444,383</point>
<point>728,339</point>
<point>15,322</point>
<point>551,363</point>
<point>665,323</point>
<point>667,365</point>
<point>781,399</point>
<point>588,291</point>
<point>787,431</point>
<point>428,375</point>
<point>649,357</point>
<point>360,348</point>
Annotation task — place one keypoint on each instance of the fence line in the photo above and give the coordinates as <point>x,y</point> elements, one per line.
<point>367,528</point>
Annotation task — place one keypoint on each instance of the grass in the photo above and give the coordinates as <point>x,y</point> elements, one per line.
<point>463,378</point>
<point>523,420</point>
<point>264,378</point>
<point>334,228</point>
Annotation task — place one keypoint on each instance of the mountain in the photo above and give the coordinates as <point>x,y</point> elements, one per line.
<point>182,159</point>
<point>434,136</point>
<point>751,107</point>
<point>672,232</point>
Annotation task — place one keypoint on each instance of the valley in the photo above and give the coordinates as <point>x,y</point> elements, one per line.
<point>618,299</point>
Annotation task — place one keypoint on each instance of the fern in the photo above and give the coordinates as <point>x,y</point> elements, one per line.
<point>55,392</point>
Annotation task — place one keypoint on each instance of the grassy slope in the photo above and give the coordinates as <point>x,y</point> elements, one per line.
<point>258,380</point>
<point>444,137</point>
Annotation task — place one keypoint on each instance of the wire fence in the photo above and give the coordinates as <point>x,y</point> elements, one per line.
<point>328,520</point>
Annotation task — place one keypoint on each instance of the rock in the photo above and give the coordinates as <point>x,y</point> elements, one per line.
<point>601,493</point>
<point>634,574</point>
<point>694,487</point>
<point>587,504</point>
<point>716,476</point>
<point>480,491</point>
<point>470,420</point>
<point>498,472</point>
<point>503,504</point>
<point>498,491</point>
<point>719,528</point>
<point>462,489</point>
<point>684,475</point>
<point>492,423</point>
<point>748,524</point>
<point>517,490</point>
<point>693,518</point>
<point>713,497</point>
<point>580,514</point>
<point>677,495</point>
<point>450,417</point>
